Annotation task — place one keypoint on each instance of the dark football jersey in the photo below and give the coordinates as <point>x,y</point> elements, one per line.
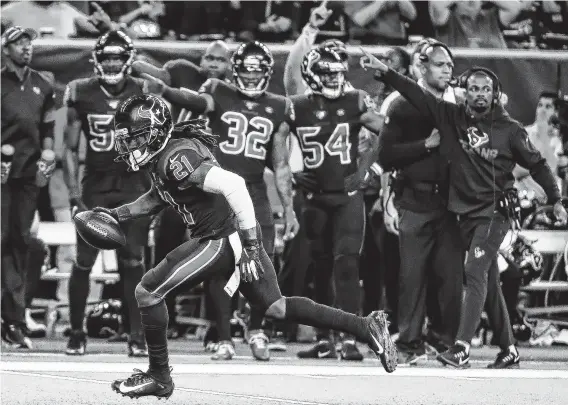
<point>206,215</point>
<point>96,108</point>
<point>245,127</point>
<point>328,131</point>
<point>184,75</point>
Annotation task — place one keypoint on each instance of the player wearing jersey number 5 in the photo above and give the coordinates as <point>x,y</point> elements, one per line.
<point>219,214</point>
<point>253,125</point>
<point>91,104</point>
<point>327,124</point>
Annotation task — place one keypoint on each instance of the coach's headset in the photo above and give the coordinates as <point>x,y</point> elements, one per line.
<point>429,46</point>
<point>461,82</point>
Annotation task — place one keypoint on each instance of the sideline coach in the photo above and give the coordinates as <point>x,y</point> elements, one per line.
<point>27,125</point>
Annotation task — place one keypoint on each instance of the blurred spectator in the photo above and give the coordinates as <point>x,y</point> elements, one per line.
<point>269,21</point>
<point>194,20</point>
<point>379,22</point>
<point>540,23</point>
<point>546,139</point>
<point>473,24</point>
<point>421,26</point>
<point>144,22</point>
<point>53,18</point>
<point>335,25</point>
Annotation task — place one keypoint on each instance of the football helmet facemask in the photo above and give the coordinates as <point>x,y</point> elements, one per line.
<point>337,46</point>
<point>113,55</point>
<point>252,65</point>
<point>323,70</point>
<point>143,125</point>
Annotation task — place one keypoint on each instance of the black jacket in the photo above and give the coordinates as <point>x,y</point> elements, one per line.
<point>482,152</point>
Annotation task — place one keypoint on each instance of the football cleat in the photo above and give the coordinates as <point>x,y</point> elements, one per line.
<point>380,340</point>
<point>141,384</point>
<point>77,344</point>
<point>456,356</point>
<point>324,349</point>
<point>349,351</point>
<point>225,351</point>
<point>259,346</point>
<point>506,359</point>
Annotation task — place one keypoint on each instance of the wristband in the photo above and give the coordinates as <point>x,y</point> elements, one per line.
<point>122,213</point>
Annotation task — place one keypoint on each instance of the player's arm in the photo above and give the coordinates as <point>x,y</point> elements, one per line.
<point>139,68</point>
<point>371,120</point>
<point>201,103</point>
<point>293,83</point>
<point>71,136</point>
<point>527,156</point>
<point>48,118</point>
<point>283,178</point>
<point>147,204</point>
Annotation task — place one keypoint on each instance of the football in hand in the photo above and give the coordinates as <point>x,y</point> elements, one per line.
<point>99,230</point>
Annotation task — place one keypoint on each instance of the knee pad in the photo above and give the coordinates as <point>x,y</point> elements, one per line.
<point>346,267</point>
<point>145,298</point>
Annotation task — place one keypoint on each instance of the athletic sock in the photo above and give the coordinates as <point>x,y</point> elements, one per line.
<point>155,323</point>
<point>79,285</point>
<point>130,278</point>
<point>222,303</point>
<point>305,311</point>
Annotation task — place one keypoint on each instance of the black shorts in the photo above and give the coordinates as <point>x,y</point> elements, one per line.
<point>335,226</point>
<point>196,261</point>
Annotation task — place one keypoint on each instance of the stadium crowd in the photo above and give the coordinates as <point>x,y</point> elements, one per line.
<point>361,218</point>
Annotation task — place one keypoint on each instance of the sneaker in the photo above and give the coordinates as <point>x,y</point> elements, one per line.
<point>225,351</point>
<point>259,346</point>
<point>324,349</point>
<point>77,343</point>
<point>506,359</point>
<point>15,336</point>
<point>137,348</point>
<point>456,356</point>
<point>380,340</point>
<point>141,384</point>
<point>349,351</point>
<point>33,326</point>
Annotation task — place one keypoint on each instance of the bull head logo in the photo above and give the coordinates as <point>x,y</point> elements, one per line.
<point>154,114</point>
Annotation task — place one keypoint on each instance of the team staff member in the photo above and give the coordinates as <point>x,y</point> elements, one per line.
<point>428,234</point>
<point>27,125</point>
<point>484,145</point>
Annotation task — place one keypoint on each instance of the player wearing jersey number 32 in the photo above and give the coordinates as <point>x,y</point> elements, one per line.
<point>219,213</point>
<point>253,126</point>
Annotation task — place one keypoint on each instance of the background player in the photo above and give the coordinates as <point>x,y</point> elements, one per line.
<point>253,127</point>
<point>219,213</point>
<point>91,104</point>
<point>328,121</point>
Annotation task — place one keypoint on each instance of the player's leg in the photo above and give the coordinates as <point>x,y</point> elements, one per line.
<point>486,236</point>
<point>79,287</point>
<point>191,263</point>
<point>258,340</point>
<point>320,237</point>
<point>372,329</point>
<point>131,266</point>
<point>498,316</point>
<point>348,224</point>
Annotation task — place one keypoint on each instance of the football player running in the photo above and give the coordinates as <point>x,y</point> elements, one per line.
<point>328,121</point>
<point>91,104</point>
<point>253,125</point>
<point>219,213</point>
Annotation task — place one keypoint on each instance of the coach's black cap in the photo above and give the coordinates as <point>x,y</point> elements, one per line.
<point>14,33</point>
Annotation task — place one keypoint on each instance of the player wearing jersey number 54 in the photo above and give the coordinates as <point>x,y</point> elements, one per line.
<point>219,214</point>
<point>483,144</point>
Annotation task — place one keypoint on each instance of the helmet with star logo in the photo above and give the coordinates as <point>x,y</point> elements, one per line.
<point>113,56</point>
<point>252,65</point>
<point>323,70</point>
<point>143,125</point>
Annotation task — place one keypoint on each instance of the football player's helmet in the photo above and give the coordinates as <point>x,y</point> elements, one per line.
<point>252,65</point>
<point>143,125</point>
<point>337,46</point>
<point>323,70</point>
<point>113,55</point>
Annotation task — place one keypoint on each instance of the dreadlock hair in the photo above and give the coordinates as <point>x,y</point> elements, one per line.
<point>196,129</point>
